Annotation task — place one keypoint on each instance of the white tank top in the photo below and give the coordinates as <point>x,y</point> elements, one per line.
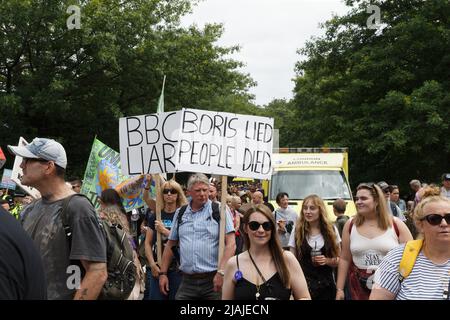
<point>368,253</point>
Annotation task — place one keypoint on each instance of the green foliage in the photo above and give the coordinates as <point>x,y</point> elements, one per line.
<point>74,84</point>
<point>384,94</point>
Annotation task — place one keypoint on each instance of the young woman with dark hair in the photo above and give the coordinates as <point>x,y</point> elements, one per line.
<point>265,271</point>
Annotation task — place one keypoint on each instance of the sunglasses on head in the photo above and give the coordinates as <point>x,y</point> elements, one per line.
<point>172,191</point>
<point>435,219</point>
<point>368,185</point>
<point>254,225</point>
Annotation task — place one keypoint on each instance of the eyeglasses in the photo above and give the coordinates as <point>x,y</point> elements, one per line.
<point>254,225</point>
<point>172,191</point>
<point>435,219</point>
<point>386,190</point>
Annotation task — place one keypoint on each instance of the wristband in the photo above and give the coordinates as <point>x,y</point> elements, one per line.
<point>162,273</point>
<point>337,289</point>
<point>221,272</point>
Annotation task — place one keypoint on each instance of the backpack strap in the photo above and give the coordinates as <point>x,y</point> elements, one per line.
<point>397,231</point>
<point>180,217</point>
<point>350,226</point>
<point>410,253</point>
<point>215,213</point>
<point>65,216</point>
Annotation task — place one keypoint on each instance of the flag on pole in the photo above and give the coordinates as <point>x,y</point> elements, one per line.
<point>103,172</point>
<point>160,108</point>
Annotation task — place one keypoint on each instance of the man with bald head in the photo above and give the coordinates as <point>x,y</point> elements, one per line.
<point>257,198</point>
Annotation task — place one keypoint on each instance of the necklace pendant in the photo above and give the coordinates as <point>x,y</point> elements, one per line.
<point>257,295</point>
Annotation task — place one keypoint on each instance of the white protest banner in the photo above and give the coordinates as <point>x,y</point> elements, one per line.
<point>148,143</point>
<point>225,144</point>
<point>17,173</point>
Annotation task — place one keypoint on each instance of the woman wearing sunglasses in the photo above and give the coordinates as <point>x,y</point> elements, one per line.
<point>366,239</point>
<point>430,276</point>
<point>172,197</point>
<point>316,243</point>
<point>265,271</point>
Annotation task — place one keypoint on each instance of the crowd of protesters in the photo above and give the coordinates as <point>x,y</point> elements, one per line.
<point>268,252</point>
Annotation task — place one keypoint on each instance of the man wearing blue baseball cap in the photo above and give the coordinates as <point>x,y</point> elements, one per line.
<point>63,254</point>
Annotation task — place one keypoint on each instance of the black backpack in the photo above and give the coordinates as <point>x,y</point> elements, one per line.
<point>119,253</point>
<point>215,213</point>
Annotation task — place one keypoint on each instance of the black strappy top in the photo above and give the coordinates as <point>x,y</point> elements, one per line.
<point>272,289</point>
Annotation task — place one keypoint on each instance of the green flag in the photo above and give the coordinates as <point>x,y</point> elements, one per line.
<point>160,108</point>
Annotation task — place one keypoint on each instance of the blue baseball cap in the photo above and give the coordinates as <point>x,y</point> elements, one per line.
<point>42,148</point>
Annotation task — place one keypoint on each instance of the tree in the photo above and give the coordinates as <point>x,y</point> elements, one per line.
<point>74,84</point>
<point>382,93</point>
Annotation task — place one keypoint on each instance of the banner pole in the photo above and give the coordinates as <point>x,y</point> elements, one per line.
<point>158,218</point>
<point>223,204</point>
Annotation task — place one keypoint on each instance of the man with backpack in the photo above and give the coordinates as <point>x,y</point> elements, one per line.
<point>75,268</point>
<point>196,230</point>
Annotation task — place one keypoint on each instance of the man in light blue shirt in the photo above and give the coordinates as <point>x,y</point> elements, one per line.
<point>198,239</point>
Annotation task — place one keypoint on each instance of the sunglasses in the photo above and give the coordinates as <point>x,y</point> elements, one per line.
<point>172,191</point>
<point>254,225</point>
<point>435,219</point>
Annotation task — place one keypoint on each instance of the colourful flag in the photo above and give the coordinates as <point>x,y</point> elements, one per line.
<point>2,158</point>
<point>103,172</point>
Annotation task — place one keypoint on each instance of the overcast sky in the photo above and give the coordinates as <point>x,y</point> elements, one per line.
<point>269,33</point>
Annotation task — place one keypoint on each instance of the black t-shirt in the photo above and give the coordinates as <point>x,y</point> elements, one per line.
<point>21,269</point>
<point>167,220</point>
<point>42,221</point>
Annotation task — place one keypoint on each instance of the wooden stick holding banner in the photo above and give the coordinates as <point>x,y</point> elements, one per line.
<point>223,206</point>
<point>158,218</point>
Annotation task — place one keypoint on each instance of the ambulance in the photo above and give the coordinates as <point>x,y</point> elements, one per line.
<point>304,171</point>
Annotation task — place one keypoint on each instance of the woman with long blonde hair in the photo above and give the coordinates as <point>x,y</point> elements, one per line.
<point>366,239</point>
<point>316,242</point>
<point>430,274</point>
<point>171,197</point>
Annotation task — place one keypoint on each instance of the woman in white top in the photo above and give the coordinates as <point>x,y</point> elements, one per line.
<point>315,243</point>
<point>366,239</point>
<point>430,277</point>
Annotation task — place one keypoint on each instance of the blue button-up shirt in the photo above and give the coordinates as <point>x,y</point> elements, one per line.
<point>198,237</point>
